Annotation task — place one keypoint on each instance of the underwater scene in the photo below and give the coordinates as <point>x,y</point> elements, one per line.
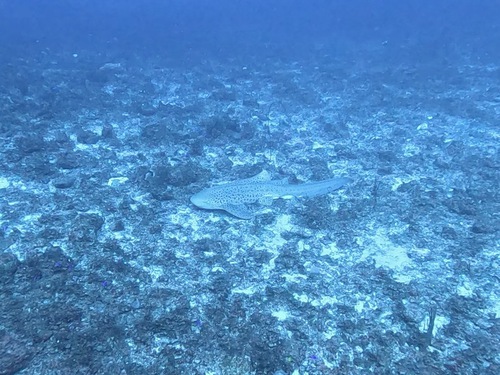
<point>249,187</point>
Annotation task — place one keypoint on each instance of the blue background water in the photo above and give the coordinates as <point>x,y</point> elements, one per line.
<point>114,113</point>
<point>249,27</point>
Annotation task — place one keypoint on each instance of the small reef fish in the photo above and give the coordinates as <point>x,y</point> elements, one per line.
<point>233,197</point>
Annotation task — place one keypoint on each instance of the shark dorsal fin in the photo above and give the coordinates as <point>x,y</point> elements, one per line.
<point>261,177</point>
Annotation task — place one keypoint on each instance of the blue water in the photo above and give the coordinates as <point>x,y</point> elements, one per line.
<point>114,113</point>
<point>242,28</point>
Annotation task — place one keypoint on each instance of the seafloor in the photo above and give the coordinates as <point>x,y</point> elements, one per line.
<point>107,268</point>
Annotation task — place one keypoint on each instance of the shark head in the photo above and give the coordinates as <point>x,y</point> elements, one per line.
<point>202,200</point>
<point>222,198</point>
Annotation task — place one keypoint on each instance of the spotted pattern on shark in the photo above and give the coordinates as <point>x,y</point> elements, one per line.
<point>233,197</point>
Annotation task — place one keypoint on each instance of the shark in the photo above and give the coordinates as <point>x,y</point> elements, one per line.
<point>234,197</point>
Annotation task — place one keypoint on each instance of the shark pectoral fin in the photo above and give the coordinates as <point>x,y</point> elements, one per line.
<point>238,210</point>
<point>266,200</point>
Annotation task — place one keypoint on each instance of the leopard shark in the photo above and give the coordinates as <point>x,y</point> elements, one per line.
<point>234,197</point>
